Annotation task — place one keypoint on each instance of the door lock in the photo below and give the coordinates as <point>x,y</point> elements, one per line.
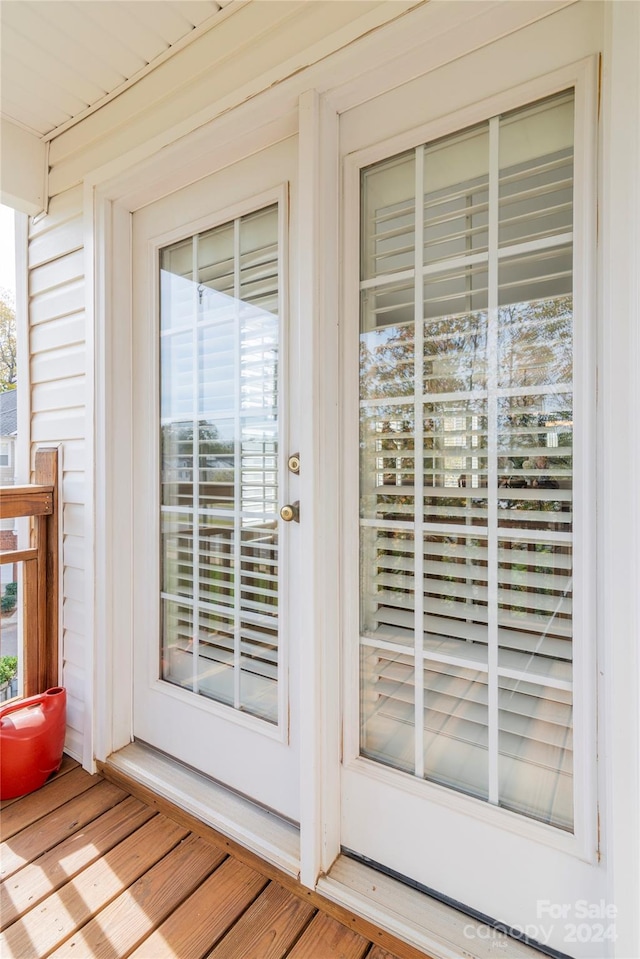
<point>294,462</point>
<point>291,512</point>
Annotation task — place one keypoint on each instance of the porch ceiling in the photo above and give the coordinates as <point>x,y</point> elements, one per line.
<point>62,60</point>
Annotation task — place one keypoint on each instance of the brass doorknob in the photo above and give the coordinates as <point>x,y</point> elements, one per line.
<point>291,512</point>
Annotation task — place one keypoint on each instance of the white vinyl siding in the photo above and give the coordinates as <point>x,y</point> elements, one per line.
<point>58,398</point>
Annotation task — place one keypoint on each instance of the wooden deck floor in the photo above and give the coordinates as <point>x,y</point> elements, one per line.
<point>89,870</point>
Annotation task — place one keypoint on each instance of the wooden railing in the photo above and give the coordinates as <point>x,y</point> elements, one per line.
<point>40,570</point>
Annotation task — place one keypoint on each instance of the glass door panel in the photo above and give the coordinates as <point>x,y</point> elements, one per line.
<point>466,462</point>
<point>219,382</point>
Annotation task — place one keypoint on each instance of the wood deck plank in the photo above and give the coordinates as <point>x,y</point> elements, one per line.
<point>379,953</point>
<point>326,938</point>
<point>144,879</point>
<point>130,918</point>
<point>53,794</point>
<point>268,928</point>
<point>206,915</point>
<point>57,917</point>
<point>365,927</point>
<point>36,881</point>
<point>57,826</point>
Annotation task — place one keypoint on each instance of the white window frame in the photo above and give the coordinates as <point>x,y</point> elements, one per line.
<point>583,77</point>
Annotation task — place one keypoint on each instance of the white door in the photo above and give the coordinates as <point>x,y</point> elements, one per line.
<point>469,723</point>
<point>214,398</point>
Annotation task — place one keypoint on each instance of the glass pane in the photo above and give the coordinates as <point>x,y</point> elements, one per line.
<point>388,217</point>
<point>388,710</point>
<point>220,394</point>
<point>534,608</point>
<point>177,554</point>
<point>455,465</point>
<point>177,644</point>
<point>455,293</point>
<point>259,261</point>
<point>466,446</point>
<point>535,342</point>
<point>216,464</point>
<point>216,562</point>
<point>388,599</point>
<point>536,171</point>
<point>387,463</point>
<point>177,289</point>
<point>216,356</point>
<point>455,353</point>
<point>456,603</point>
<point>259,627</point>
<point>177,479</point>
<point>456,202</point>
<point>456,721</point>
<point>536,751</point>
<point>389,310</point>
<point>216,263</point>
<point>535,448</point>
<point>176,393</point>
<point>216,656</point>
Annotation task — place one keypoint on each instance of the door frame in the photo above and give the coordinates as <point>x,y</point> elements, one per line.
<point>110,202</point>
<point>239,743</point>
<point>582,77</point>
<point>399,52</point>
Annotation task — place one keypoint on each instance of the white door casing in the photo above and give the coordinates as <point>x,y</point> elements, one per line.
<point>202,701</point>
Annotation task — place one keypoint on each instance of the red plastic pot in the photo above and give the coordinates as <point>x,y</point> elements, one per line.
<point>31,741</point>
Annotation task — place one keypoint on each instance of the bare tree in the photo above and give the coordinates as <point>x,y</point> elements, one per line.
<point>8,359</point>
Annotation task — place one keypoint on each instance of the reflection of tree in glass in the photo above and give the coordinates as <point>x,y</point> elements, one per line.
<point>387,362</point>
<point>535,342</point>
<point>215,456</point>
<point>177,438</point>
<point>455,351</point>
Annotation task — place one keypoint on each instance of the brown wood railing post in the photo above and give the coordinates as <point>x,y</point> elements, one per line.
<point>41,643</point>
<point>30,650</point>
<point>40,571</point>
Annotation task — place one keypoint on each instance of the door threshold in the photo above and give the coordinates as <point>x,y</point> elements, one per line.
<point>257,829</point>
<point>437,929</point>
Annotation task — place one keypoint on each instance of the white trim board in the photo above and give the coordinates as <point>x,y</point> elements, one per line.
<point>270,837</point>
<point>345,76</point>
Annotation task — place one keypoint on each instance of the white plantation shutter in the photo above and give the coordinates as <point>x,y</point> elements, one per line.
<point>219,386</point>
<point>466,461</point>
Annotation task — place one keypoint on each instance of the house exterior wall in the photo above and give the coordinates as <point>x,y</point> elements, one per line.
<point>261,45</point>
<point>58,410</point>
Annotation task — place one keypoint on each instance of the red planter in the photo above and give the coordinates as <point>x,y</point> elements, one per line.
<point>31,741</point>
